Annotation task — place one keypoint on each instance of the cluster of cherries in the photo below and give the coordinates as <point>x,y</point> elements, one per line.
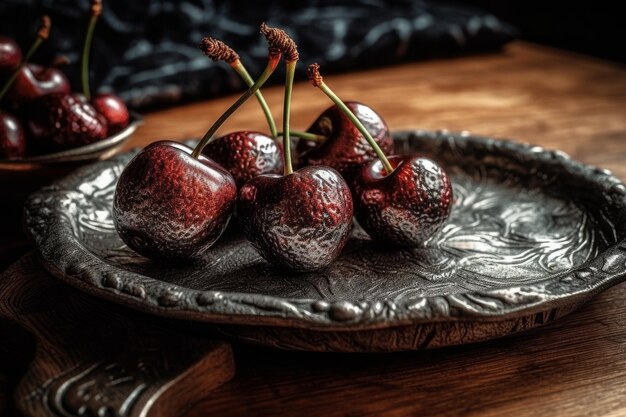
<point>173,202</point>
<point>40,114</point>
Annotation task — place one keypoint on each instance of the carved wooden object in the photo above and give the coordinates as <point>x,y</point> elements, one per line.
<point>97,359</point>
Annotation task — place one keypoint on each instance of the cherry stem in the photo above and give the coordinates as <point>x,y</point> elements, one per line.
<point>290,72</point>
<point>272,63</point>
<point>96,8</point>
<point>42,35</point>
<point>306,135</point>
<point>245,75</point>
<point>342,106</point>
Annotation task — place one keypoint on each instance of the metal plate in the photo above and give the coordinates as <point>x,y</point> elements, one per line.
<point>94,151</point>
<point>532,235</point>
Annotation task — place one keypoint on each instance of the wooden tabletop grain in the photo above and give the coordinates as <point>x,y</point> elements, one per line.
<point>574,367</point>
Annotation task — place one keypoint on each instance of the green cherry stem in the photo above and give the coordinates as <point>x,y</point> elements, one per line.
<point>306,136</point>
<point>218,51</point>
<point>316,78</point>
<point>291,69</point>
<point>272,63</point>
<point>245,75</point>
<point>96,10</point>
<point>342,106</point>
<point>42,35</point>
<point>279,41</point>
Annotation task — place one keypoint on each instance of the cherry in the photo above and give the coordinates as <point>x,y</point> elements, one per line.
<point>42,35</point>
<point>401,199</point>
<point>34,81</point>
<point>246,155</point>
<point>10,55</point>
<point>61,121</point>
<point>110,106</point>
<point>114,111</point>
<point>344,148</point>
<point>170,205</point>
<point>300,221</point>
<point>405,207</point>
<point>12,142</point>
<point>171,202</point>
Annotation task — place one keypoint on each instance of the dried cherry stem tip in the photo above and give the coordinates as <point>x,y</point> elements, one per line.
<point>96,8</point>
<point>42,34</point>
<point>219,51</point>
<point>269,69</point>
<point>274,41</point>
<point>316,79</point>
<point>44,29</point>
<point>96,11</point>
<point>280,43</point>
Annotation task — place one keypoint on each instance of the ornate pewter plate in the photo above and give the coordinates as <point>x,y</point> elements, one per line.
<point>532,236</point>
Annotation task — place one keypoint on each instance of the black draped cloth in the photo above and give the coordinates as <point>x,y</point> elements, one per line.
<point>147,50</point>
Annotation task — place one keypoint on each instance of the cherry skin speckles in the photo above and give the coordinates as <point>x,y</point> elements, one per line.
<point>405,207</point>
<point>246,155</point>
<point>300,221</point>
<point>62,121</point>
<point>345,150</point>
<point>171,206</point>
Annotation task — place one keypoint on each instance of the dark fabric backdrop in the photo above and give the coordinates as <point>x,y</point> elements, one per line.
<point>595,28</point>
<point>147,50</point>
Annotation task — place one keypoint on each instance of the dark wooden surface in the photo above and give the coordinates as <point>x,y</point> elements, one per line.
<point>575,367</point>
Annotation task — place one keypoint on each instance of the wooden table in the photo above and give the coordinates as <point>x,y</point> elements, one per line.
<point>575,367</point>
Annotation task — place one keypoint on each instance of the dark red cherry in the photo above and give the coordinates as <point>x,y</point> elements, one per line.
<point>169,205</point>
<point>10,55</point>
<point>12,142</point>
<point>113,109</point>
<point>405,207</point>
<point>62,121</point>
<point>246,155</point>
<point>300,221</point>
<point>345,150</point>
<point>35,81</point>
